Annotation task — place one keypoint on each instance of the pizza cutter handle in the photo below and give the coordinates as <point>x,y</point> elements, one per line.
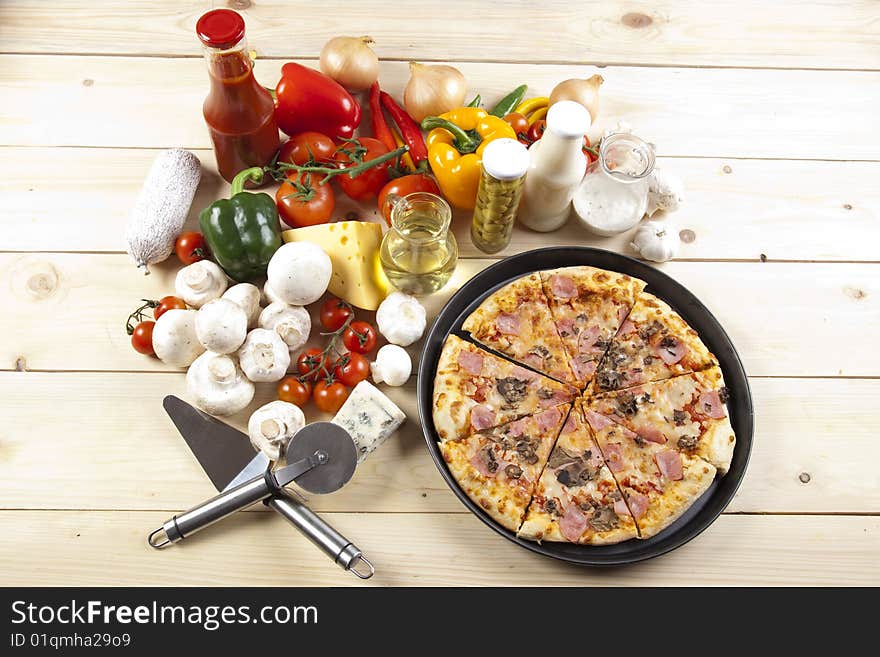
<point>343,552</point>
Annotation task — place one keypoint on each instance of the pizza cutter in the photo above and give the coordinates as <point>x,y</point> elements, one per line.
<point>321,458</point>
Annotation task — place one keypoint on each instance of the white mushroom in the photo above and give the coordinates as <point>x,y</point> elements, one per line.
<point>273,425</point>
<point>299,273</point>
<point>247,296</point>
<point>221,326</point>
<point>217,385</point>
<point>264,356</point>
<point>392,365</point>
<point>269,295</point>
<point>200,282</point>
<point>174,337</point>
<point>292,323</point>
<point>401,319</point>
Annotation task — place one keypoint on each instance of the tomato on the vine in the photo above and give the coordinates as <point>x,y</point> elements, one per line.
<point>352,368</point>
<point>367,184</point>
<point>330,396</point>
<point>307,146</point>
<point>292,389</point>
<point>142,338</point>
<point>415,182</point>
<point>536,130</point>
<point>303,201</point>
<point>334,313</point>
<point>308,364</point>
<point>191,247</point>
<point>517,121</point>
<point>359,337</point>
<point>168,303</point>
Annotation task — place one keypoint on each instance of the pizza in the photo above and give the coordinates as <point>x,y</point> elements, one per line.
<point>647,428</point>
<point>475,390</point>
<point>516,321</point>
<point>652,344</point>
<point>498,469</point>
<point>588,305</point>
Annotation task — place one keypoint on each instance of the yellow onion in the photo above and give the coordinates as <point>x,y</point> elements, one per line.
<point>585,92</point>
<point>433,89</point>
<point>350,61</point>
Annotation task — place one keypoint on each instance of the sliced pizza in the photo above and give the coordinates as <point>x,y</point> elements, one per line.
<point>515,320</point>
<point>658,483</point>
<point>588,305</point>
<point>499,469</point>
<point>577,499</point>
<point>475,390</point>
<point>654,343</point>
<point>687,413</point>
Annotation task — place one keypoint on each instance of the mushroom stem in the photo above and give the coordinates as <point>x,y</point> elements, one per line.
<point>222,369</point>
<point>272,428</point>
<point>198,278</point>
<point>264,355</point>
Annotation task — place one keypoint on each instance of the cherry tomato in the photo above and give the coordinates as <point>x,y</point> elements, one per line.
<point>518,122</point>
<point>142,338</point>
<point>589,151</point>
<point>291,389</point>
<point>536,130</point>
<point>334,312</point>
<point>359,337</point>
<point>367,184</point>
<point>309,360</point>
<point>416,182</point>
<point>352,369</point>
<point>191,247</point>
<point>303,201</point>
<point>306,146</point>
<point>168,303</point>
<point>329,397</point>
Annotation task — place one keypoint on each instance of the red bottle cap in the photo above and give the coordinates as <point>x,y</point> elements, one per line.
<point>220,28</point>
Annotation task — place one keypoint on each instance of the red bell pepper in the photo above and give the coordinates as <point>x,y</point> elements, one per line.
<point>308,100</point>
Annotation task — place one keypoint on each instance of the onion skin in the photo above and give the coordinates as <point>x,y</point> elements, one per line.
<point>433,90</point>
<point>585,92</point>
<point>350,61</point>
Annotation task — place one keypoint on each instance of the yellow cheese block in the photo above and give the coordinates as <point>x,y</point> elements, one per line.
<point>353,247</point>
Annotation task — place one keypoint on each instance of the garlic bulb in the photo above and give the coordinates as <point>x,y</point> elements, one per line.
<point>665,192</point>
<point>656,241</point>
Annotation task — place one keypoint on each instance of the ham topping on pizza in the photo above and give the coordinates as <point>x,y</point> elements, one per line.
<point>583,369</point>
<point>614,458</point>
<point>470,362</point>
<point>507,323</point>
<point>548,419</point>
<point>597,420</point>
<point>565,327</point>
<point>563,286</point>
<point>670,349</point>
<point>482,417</point>
<point>710,404</point>
<point>573,524</point>
<point>669,463</point>
<point>637,503</point>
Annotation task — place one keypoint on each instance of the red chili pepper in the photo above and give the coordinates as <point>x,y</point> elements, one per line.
<point>381,131</point>
<point>409,129</point>
<point>307,100</point>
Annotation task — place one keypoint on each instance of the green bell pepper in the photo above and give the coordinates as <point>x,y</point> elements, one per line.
<point>243,231</point>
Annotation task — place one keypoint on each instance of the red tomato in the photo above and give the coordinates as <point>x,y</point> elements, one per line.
<point>536,130</point>
<point>367,184</point>
<point>590,152</point>
<point>191,247</point>
<point>518,122</point>
<point>168,303</point>
<point>142,338</point>
<point>303,201</point>
<point>416,182</point>
<point>291,389</point>
<point>334,312</point>
<point>359,337</point>
<point>352,369</point>
<point>308,364</point>
<point>307,146</point>
<point>329,397</point>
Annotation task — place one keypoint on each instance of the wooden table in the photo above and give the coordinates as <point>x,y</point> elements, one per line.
<point>767,110</point>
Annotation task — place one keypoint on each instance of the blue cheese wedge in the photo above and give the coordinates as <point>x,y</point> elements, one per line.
<point>369,417</point>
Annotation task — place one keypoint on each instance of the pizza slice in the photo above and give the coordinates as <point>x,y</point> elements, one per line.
<point>498,469</point>
<point>577,499</point>
<point>687,413</point>
<point>475,390</point>
<point>658,483</point>
<point>516,321</point>
<point>654,343</point>
<point>588,305</point>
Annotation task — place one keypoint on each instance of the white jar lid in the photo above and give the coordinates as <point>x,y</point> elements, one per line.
<point>568,119</point>
<point>506,159</point>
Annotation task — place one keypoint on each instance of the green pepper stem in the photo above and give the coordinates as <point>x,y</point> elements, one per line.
<point>463,142</point>
<point>242,177</point>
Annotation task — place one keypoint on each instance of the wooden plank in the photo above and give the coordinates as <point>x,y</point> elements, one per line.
<point>109,549</point>
<point>70,311</point>
<point>121,435</point>
<point>692,112</point>
<point>736,209</point>
<point>809,34</point>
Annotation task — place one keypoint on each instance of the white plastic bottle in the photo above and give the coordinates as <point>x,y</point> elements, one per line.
<point>557,168</point>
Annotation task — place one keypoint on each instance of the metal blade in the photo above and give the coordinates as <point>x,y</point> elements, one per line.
<point>222,451</point>
<point>255,468</point>
<point>339,450</point>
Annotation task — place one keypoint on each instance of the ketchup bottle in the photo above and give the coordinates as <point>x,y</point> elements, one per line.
<point>239,112</point>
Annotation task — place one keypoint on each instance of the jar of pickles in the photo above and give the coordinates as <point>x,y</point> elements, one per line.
<point>504,166</point>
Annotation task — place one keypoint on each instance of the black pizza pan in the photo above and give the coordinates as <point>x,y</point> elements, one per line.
<point>705,510</point>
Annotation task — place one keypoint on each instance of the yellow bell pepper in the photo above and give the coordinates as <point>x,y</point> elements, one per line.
<point>455,148</point>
